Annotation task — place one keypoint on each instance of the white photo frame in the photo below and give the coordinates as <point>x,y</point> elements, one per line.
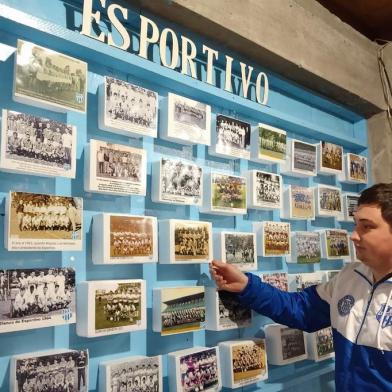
<point>301,159</point>
<point>43,222</point>
<point>328,201</point>
<point>124,239</point>
<point>320,345</point>
<point>335,244</point>
<point>168,318</point>
<point>114,169</point>
<point>231,351</point>
<point>185,120</point>
<point>298,203</point>
<point>185,242</point>
<point>355,169</point>
<point>238,248</point>
<point>175,181</point>
<point>350,205</point>
<point>306,247</point>
<point>301,281</point>
<point>273,238</point>
<point>276,279</point>
<point>330,158</point>
<point>37,146</point>
<point>264,190</point>
<point>98,311</point>
<point>49,79</point>
<point>127,109</point>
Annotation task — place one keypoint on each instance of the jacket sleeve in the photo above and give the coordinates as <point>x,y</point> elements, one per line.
<point>304,310</point>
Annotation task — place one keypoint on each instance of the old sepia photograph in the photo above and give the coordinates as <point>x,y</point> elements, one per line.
<point>249,361</point>
<point>307,247</point>
<point>301,202</point>
<point>330,158</point>
<point>49,79</point>
<point>188,121</point>
<point>132,374</point>
<point>304,157</point>
<point>128,109</point>
<point>272,143</point>
<point>179,182</point>
<point>276,279</point>
<point>55,370</point>
<point>357,168</point>
<point>232,137</point>
<point>329,201</point>
<point>199,371</point>
<point>231,313</point>
<point>293,343</point>
<point>268,189</point>
<point>43,222</point>
<point>37,145</point>
<point>228,193</point>
<point>36,298</point>
<point>337,245</point>
<point>240,249</point>
<point>182,309</point>
<point>276,238</point>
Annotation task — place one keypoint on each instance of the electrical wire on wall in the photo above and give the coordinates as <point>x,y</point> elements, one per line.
<point>385,80</point>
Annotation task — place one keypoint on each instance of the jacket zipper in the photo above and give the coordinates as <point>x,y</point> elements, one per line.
<point>364,316</point>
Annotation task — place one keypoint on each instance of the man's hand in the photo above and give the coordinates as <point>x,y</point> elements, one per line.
<point>228,277</point>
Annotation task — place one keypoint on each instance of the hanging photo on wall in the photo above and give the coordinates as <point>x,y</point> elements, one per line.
<point>179,309</point>
<point>49,79</point>
<point>273,238</point>
<point>356,170</point>
<point>298,203</point>
<point>177,182</point>
<point>268,144</point>
<point>306,247</point>
<point>328,201</point>
<point>350,205</point>
<point>301,160</point>
<point>335,244</point>
<point>232,138</point>
<point>36,298</point>
<point>127,109</point>
<point>114,169</point>
<point>276,279</point>
<point>299,282</point>
<point>37,146</point>
<point>43,222</point>
<point>265,190</point>
<point>186,121</point>
<point>320,344</point>
<point>56,367</point>
<point>330,158</point>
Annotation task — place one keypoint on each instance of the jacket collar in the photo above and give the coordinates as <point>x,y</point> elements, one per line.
<point>367,274</point>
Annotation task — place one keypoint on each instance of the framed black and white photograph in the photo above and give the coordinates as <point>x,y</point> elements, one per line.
<point>185,120</point>
<point>301,160</point>
<point>49,79</point>
<point>43,222</point>
<point>194,369</point>
<point>355,169</point>
<point>238,248</point>
<point>268,144</point>
<point>124,239</point>
<point>179,309</point>
<point>175,181</point>
<point>36,298</point>
<point>185,242</point>
<point>114,169</point>
<point>108,307</point>
<point>224,194</point>
<point>37,145</point>
<point>285,345</point>
<point>350,205</point>
<point>330,158</point>
<point>276,279</point>
<point>127,109</point>
<point>320,344</point>
<point>137,373</point>
<point>306,247</point>
<point>224,311</point>
<point>335,244</point>
<point>328,201</point>
<point>244,362</point>
<point>301,281</point>
<point>264,190</point>
<point>273,238</point>
<point>298,203</point>
<point>232,138</point>
<point>61,369</point>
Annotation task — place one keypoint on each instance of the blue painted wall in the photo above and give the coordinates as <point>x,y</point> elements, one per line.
<point>304,115</point>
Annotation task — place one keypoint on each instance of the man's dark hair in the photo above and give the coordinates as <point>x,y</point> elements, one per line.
<point>380,195</point>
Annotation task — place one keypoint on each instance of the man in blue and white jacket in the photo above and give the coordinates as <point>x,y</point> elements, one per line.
<point>356,302</point>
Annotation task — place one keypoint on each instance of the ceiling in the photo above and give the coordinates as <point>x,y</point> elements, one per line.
<point>373,18</point>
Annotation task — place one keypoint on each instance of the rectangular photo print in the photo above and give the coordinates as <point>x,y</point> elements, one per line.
<point>189,121</point>
<point>329,201</point>
<point>304,158</point>
<point>299,282</point>
<point>357,170</point>
<point>182,309</point>
<point>301,202</point>
<point>276,239</point>
<point>276,279</point>
<point>49,79</point>
<point>337,244</point>
<point>265,190</point>
<point>232,137</point>
<point>44,371</point>
<point>293,343</point>
<point>307,247</point>
<point>37,145</point>
<point>115,169</point>
<point>43,222</point>
<point>239,249</point>
<point>330,158</point>
<point>350,205</point>
<point>36,298</point>
<point>128,109</point>
<point>178,182</point>
<point>324,343</point>
<point>272,143</point>
<point>231,313</point>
